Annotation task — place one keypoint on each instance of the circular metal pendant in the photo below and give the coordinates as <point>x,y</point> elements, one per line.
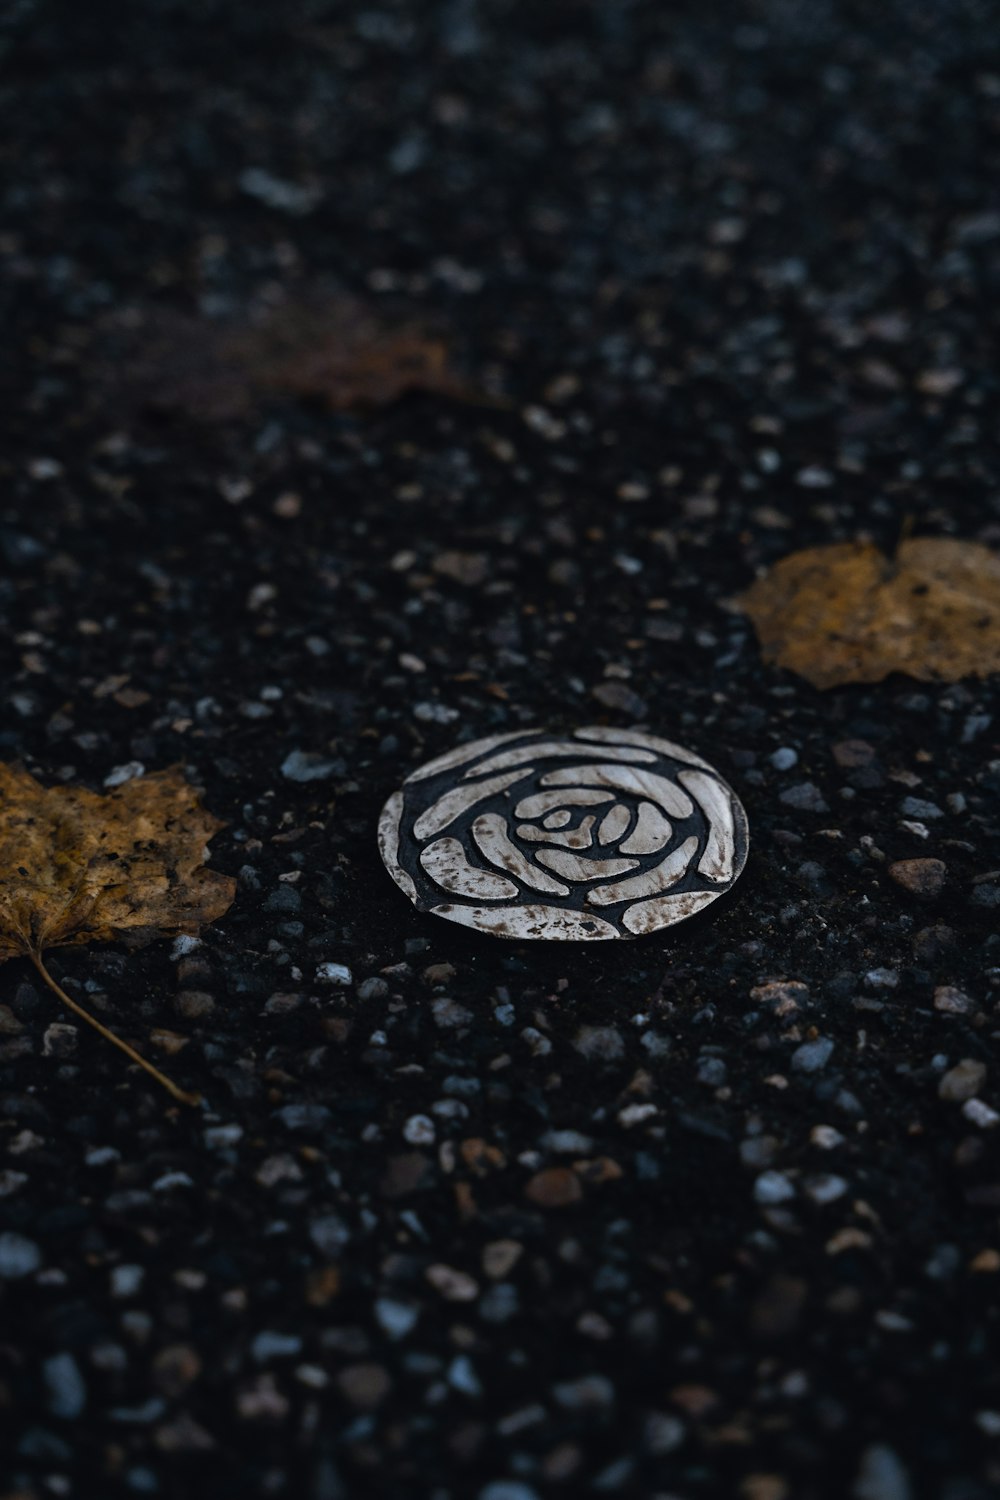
<point>601,833</point>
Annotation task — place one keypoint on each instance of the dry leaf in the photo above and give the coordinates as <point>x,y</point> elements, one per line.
<point>848,613</point>
<point>330,350</point>
<point>76,867</point>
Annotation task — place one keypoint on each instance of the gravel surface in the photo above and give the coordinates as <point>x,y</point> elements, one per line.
<point>715,1213</point>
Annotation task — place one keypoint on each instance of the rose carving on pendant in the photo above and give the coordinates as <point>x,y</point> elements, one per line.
<point>597,834</point>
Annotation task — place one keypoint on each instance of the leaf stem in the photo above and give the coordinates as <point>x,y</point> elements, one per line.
<point>178,1093</point>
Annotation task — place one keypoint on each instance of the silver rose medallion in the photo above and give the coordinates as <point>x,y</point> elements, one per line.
<point>602,833</point>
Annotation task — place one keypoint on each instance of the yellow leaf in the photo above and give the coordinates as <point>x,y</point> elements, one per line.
<point>77,867</point>
<point>847,613</point>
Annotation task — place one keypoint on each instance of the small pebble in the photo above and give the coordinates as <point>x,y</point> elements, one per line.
<point>373,989</point>
<point>307,765</point>
<point>19,1256</point>
<point>952,1001</point>
<point>500,1257</point>
<point>662,1432</point>
<point>67,1393</point>
<point>980,1113</point>
<point>811,1057</point>
<point>331,973</point>
<point>127,772</point>
<point>881,1476</point>
<point>805,797</point>
<point>126,1280</point>
<point>568,1142</point>
<point>461,1376</point>
<point>881,979</point>
<point>587,1393</point>
<point>622,698</point>
<point>397,1319</point>
<point>364,1385</point>
<point>507,1489</point>
<point>758,1151</point>
<point>917,807</point>
<point>604,1043</point>
<point>773,1187</point>
<point>963,1081</point>
<point>825,1187</point>
<point>852,755</point>
<point>270,1345</point>
<point>555,1187</point>
<point>453,1285</point>
<point>635,1114</point>
<point>921,877</point>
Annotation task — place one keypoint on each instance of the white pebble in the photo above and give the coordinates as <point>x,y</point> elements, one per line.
<point>634,1114</point>
<point>434,713</point>
<point>118,775</point>
<point>331,973</point>
<point>171,1180</point>
<point>567,1142</point>
<point>980,1114</point>
<point>773,1187</point>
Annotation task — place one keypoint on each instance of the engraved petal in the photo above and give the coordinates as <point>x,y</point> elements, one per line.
<point>716,862</point>
<point>576,867</point>
<point>573,838</point>
<point>461,754</point>
<point>458,799</point>
<point>388,843</point>
<point>490,833</point>
<point>573,796</point>
<point>446,864</point>
<point>660,878</point>
<point>530,921</point>
<point>614,823</point>
<point>626,779</point>
<point>648,916</point>
<point>651,832</point>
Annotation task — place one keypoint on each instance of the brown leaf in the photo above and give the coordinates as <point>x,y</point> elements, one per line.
<point>77,867</point>
<point>331,350</point>
<point>847,613</point>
